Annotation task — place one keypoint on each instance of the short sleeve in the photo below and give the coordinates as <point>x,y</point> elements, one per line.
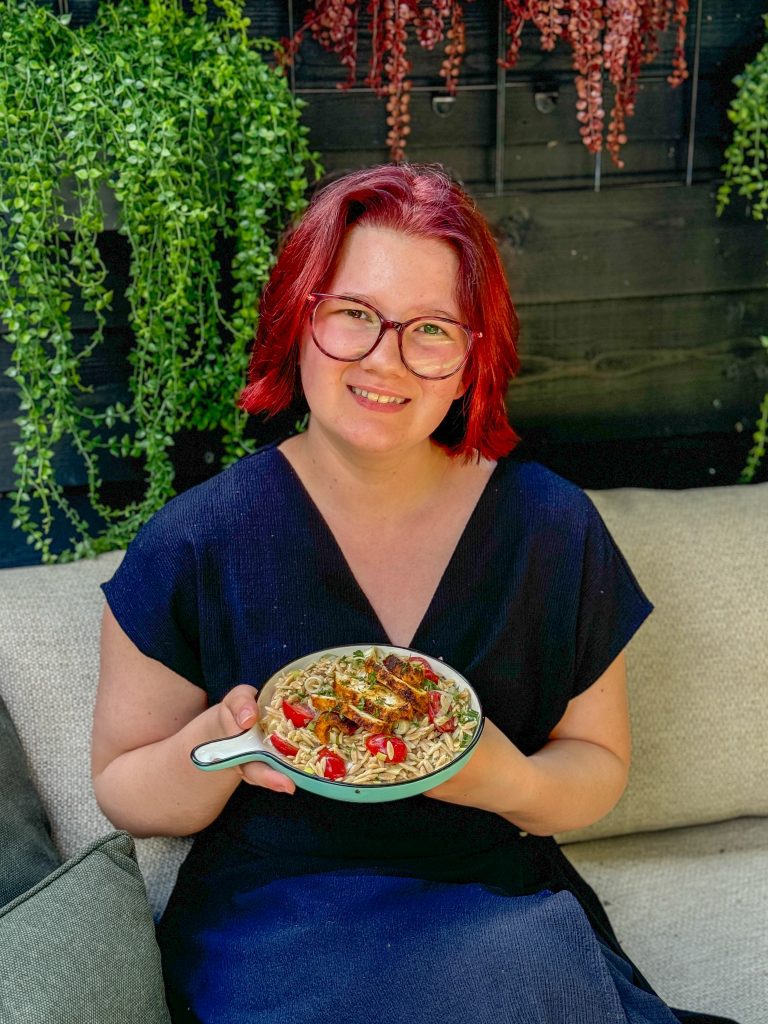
<point>612,606</point>
<point>154,595</point>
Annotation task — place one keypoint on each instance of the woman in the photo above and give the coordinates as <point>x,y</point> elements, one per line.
<point>394,518</point>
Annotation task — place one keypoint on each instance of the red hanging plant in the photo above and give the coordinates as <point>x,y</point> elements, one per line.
<point>610,40</point>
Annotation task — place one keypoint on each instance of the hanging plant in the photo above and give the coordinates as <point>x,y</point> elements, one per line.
<point>746,174</point>
<point>610,41</point>
<point>199,139</point>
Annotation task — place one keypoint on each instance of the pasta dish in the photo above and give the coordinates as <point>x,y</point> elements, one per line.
<point>364,719</point>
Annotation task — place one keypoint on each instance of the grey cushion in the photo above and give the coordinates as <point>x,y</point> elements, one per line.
<point>27,853</point>
<point>690,906</point>
<point>698,667</point>
<point>50,618</point>
<point>79,947</point>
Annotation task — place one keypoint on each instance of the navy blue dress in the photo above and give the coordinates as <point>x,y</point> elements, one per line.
<point>295,908</point>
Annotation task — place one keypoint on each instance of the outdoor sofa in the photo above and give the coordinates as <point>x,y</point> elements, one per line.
<point>681,864</point>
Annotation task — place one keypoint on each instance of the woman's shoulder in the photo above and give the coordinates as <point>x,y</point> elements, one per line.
<point>539,490</point>
<point>227,500</point>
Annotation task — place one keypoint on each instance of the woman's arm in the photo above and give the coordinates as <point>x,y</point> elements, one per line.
<point>146,721</point>
<point>572,781</point>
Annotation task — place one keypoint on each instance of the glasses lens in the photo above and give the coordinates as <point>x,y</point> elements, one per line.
<point>435,348</point>
<point>345,329</point>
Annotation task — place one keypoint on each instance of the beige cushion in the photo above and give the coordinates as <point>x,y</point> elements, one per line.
<point>49,659</point>
<point>698,668</point>
<point>690,907</point>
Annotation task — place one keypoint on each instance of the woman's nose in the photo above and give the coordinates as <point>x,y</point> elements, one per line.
<point>386,356</point>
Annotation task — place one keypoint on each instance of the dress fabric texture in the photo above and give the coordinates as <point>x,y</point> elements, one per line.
<point>291,908</point>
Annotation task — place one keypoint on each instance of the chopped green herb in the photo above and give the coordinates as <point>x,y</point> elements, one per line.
<point>358,654</point>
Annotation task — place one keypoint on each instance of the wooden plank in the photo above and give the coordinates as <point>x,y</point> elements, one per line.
<point>69,467</point>
<point>539,147</point>
<point>662,113</point>
<point>642,368</point>
<point>624,243</point>
<point>582,330</point>
<point>572,247</point>
<point>707,460</point>
<point>632,397</point>
<point>474,167</point>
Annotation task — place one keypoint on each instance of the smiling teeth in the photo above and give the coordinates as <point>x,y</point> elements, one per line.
<point>374,396</point>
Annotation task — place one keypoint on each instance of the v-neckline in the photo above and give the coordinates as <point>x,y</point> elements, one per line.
<point>354,583</point>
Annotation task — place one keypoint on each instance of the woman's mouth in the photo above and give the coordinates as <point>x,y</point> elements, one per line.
<point>377,397</point>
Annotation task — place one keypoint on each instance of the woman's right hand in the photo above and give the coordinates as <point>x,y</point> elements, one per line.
<point>147,720</point>
<point>238,711</point>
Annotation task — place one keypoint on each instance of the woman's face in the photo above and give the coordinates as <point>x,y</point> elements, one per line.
<point>376,405</point>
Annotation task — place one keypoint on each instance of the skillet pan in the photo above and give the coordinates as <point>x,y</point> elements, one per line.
<point>252,745</point>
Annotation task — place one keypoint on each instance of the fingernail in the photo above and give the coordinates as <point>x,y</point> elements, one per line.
<point>244,716</point>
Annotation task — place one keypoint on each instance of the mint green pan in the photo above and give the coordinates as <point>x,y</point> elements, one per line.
<point>251,745</point>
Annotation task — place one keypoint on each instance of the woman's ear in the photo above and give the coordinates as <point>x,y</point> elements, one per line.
<point>461,388</point>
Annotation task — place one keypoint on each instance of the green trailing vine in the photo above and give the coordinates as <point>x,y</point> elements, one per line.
<point>746,174</point>
<point>186,120</point>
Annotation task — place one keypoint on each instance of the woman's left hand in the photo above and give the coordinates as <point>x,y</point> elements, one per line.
<point>571,781</point>
<point>476,784</point>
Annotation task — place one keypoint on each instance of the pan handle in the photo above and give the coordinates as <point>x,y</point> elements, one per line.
<point>230,751</point>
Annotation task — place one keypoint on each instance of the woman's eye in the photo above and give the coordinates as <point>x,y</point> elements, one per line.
<point>357,314</point>
<point>431,329</point>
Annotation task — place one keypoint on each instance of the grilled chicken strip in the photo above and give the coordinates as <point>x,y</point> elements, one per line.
<point>403,678</point>
<point>367,694</point>
<point>367,722</point>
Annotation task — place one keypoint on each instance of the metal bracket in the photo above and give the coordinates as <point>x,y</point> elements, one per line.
<point>545,97</point>
<point>443,105</point>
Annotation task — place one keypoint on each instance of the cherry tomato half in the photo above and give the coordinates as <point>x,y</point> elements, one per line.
<point>434,710</point>
<point>377,744</point>
<point>297,714</point>
<point>335,765</point>
<point>283,746</point>
<point>428,673</point>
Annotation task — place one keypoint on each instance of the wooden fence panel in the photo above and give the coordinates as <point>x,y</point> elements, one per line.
<point>641,311</point>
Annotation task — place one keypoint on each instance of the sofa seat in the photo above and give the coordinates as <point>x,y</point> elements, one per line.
<point>682,902</point>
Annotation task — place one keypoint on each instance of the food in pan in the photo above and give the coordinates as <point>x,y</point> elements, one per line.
<point>366,719</point>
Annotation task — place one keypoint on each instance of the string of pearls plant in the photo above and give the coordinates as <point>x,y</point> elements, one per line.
<point>189,124</point>
<point>746,174</point>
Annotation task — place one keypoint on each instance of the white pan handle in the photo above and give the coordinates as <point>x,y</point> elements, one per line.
<point>224,753</point>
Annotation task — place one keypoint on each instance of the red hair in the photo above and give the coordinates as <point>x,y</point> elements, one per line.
<point>419,200</point>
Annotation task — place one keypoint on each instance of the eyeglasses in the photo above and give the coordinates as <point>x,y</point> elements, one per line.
<point>347,329</point>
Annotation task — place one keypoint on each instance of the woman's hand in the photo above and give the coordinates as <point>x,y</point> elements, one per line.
<point>147,719</point>
<point>474,785</point>
<point>238,711</point>
<point>573,780</point>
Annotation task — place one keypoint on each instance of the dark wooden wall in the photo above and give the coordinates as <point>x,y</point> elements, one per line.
<point>641,310</point>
